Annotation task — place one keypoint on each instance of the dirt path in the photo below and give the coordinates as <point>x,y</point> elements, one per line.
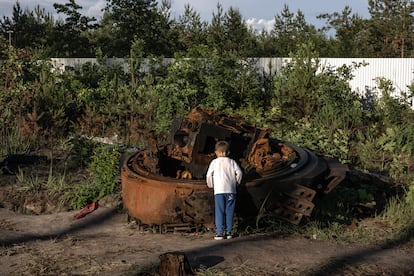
<point>104,243</point>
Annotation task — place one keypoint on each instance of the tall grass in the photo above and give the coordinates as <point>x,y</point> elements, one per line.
<point>28,182</point>
<point>400,212</point>
<point>13,142</point>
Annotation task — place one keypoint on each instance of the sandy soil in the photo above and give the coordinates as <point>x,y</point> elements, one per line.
<point>105,243</point>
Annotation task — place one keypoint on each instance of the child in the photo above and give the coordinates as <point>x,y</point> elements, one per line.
<point>223,175</point>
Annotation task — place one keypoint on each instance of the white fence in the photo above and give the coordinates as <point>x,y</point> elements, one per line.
<point>400,71</point>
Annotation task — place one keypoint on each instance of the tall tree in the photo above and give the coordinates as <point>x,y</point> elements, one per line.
<point>27,28</point>
<point>392,27</point>
<point>191,29</point>
<point>216,33</point>
<point>290,31</point>
<point>266,45</point>
<point>104,37</point>
<point>350,32</point>
<point>238,37</point>
<point>228,32</point>
<point>71,35</point>
<point>166,42</point>
<point>140,18</point>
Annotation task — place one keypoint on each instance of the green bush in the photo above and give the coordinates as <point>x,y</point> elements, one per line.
<point>81,151</point>
<point>81,195</point>
<point>104,169</point>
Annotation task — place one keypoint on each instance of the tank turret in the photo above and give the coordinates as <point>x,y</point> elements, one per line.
<point>165,184</point>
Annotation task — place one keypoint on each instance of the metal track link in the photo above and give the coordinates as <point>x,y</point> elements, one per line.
<point>298,203</point>
<point>302,192</point>
<point>178,228</point>
<point>289,215</point>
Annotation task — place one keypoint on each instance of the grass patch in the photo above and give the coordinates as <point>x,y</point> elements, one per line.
<point>13,142</point>
<point>400,214</point>
<point>209,271</point>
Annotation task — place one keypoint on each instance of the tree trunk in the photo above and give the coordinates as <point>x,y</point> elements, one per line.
<point>175,264</point>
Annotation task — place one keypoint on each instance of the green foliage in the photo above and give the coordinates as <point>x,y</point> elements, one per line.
<point>33,182</point>
<point>390,27</point>
<point>181,90</point>
<point>337,206</point>
<point>329,231</point>
<point>386,34</point>
<point>350,32</point>
<point>192,31</point>
<point>81,195</point>
<point>104,169</point>
<point>315,107</point>
<point>229,32</point>
<point>30,28</point>
<point>291,31</point>
<point>221,81</point>
<point>13,142</point>
<point>72,32</point>
<point>409,198</point>
<point>81,152</point>
<point>389,152</point>
<point>394,109</point>
<point>12,73</point>
<point>140,17</point>
<point>295,87</point>
<point>400,212</point>
<point>28,183</point>
<point>321,140</point>
<point>56,182</point>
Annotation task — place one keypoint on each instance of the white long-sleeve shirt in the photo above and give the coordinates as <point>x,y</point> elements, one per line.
<point>223,175</point>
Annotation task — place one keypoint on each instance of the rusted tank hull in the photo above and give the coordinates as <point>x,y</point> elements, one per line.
<point>289,194</point>
<point>154,199</point>
<point>165,184</point>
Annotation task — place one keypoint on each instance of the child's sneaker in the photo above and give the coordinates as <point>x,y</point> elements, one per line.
<point>218,237</point>
<point>229,237</point>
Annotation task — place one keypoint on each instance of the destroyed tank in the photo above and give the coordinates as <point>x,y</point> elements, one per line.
<point>165,184</point>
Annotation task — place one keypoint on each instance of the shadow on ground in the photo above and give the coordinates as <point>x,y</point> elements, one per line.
<point>91,221</point>
<point>340,263</point>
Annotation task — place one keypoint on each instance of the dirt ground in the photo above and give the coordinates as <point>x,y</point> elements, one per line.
<point>105,243</point>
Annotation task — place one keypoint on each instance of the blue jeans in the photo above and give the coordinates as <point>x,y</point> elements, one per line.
<point>224,212</point>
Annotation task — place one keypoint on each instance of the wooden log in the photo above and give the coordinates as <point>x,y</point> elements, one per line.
<point>175,264</point>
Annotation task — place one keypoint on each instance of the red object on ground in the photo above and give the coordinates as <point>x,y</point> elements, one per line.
<point>87,210</point>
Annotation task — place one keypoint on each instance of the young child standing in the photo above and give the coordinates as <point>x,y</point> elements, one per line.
<point>223,175</point>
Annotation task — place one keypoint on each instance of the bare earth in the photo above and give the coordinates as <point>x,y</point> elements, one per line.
<point>105,243</point>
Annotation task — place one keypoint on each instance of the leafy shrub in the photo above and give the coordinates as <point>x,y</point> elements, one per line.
<point>81,195</point>
<point>81,151</point>
<point>104,169</point>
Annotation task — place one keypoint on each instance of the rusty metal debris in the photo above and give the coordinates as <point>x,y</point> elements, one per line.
<point>165,184</point>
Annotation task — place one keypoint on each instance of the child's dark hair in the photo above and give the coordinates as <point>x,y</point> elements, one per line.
<point>222,146</point>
